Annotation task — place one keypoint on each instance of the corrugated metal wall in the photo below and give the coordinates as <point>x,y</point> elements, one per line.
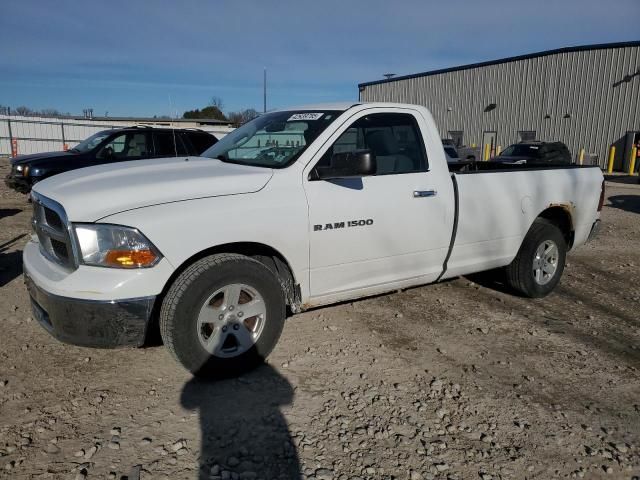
<point>587,98</point>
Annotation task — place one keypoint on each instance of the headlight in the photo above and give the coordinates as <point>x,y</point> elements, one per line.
<point>19,168</point>
<point>115,246</point>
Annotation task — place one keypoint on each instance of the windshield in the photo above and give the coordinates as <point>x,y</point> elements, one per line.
<point>273,140</point>
<point>90,143</point>
<point>521,151</point>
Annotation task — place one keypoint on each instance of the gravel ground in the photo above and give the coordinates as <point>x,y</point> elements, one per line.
<point>458,380</point>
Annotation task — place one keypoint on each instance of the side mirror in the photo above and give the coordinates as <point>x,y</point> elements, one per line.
<point>356,164</point>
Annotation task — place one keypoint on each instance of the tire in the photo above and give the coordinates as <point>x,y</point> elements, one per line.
<point>538,282</point>
<point>204,330</point>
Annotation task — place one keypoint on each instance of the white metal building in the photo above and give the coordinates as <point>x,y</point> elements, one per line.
<point>587,97</point>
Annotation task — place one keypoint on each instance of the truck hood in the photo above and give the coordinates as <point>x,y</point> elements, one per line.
<point>44,156</point>
<point>89,194</point>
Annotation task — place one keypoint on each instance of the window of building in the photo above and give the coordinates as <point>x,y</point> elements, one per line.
<point>527,135</point>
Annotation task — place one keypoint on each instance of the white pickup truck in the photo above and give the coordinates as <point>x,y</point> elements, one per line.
<point>296,209</point>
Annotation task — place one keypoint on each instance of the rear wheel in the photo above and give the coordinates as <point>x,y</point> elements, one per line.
<point>223,315</point>
<point>537,268</point>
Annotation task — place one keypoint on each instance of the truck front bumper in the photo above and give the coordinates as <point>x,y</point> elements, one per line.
<point>91,323</point>
<point>92,306</point>
<point>19,184</point>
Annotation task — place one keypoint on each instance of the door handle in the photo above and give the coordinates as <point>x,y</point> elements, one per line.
<point>424,193</point>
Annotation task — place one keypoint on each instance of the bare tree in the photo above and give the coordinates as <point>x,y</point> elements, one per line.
<point>25,111</point>
<point>49,112</point>
<point>249,114</point>
<point>22,110</point>
<point>235,117</point>
<point>242,116</point>
<point>216,102</point>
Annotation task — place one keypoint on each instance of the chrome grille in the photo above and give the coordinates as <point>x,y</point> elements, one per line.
<point>52,228</point>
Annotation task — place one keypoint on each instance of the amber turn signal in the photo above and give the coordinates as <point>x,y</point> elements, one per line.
<point>130,258</point>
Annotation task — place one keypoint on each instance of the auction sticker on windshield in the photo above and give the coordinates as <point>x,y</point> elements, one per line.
<point>304,116</point>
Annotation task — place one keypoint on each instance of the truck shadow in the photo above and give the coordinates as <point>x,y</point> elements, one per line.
<point>9,212</point>
<point>493,280</point>
<point>624,179</point>
<point>10,262</point>
<point>629,203</point>
<point>242,427</point>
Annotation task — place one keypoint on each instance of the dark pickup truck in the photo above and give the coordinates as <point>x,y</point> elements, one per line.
<point>108,146</point>
<point>535,152</point>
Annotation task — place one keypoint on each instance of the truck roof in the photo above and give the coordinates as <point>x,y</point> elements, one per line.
<point>341,106</point>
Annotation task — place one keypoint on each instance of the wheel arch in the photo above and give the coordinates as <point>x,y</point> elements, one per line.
<point>560,215</point>
<point>265,254</point>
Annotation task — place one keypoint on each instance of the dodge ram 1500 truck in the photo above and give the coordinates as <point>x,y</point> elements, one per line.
<point>296,209</point>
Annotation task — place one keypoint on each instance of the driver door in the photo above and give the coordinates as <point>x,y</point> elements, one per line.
<point>373,233</point>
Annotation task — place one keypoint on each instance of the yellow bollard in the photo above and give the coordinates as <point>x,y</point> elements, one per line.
<point>581,156</point>
<point>486,152</point>
<point>612,156</point>
<point>632,160</point>
<point>498,150</point>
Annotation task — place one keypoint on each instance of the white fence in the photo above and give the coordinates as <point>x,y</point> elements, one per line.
<point>24,135</point>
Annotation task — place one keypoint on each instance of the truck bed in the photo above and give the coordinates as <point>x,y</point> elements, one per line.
<point>473,166</point>
<point>493,212</point>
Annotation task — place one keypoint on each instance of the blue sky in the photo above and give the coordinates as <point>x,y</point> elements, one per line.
<point>130,57</point>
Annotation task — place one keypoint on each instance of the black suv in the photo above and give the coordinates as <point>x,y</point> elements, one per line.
<point>108,146</point>
<point>535,152</point>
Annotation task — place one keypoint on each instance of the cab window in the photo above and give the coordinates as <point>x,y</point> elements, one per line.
<point>394,139</point>
<point>200,141</point>
<point>125,146</point>
<point>168,144</point>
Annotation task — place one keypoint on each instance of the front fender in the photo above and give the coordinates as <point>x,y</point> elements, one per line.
<point>182,230</point>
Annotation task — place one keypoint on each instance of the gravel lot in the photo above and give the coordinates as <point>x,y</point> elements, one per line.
<point>458,380</point>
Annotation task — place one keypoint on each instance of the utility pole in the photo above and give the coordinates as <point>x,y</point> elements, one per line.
<point>264,91</point>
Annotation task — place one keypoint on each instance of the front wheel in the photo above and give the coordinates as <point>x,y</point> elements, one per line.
<point>537,268</point>
<point>223,315</point>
